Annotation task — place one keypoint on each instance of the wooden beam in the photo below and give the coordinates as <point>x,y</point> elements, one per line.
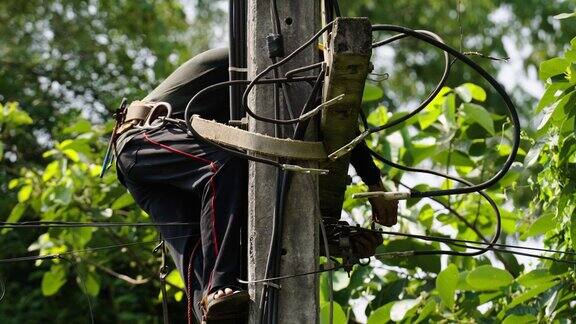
<point>348,60</point>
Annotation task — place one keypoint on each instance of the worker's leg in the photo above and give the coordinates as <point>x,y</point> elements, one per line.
<point>169,156</point>
<point>165,204</point>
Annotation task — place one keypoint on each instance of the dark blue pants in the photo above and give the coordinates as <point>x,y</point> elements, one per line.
<point>176,178</point>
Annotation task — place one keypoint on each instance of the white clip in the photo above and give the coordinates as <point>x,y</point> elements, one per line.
<point>348,147</point>
<point>394,195</point>
<point>237,69</point>
<point>297,168</point>
<point>320,106</point>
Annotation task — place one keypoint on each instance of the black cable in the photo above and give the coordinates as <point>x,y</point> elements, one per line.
<point>83,288</point>
<point>426,36</point>
<point>3,289</point>
<point>88,250</point>
<point>190,129</point>
<point>65,224</point>
<point>268,69</point>
<point>509,105</point>
<point>462,181</point>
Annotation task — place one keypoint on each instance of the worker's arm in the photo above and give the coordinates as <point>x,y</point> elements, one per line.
<point>383,212</point>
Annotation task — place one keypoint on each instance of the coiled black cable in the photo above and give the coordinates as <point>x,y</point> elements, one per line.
<point>509,106</point>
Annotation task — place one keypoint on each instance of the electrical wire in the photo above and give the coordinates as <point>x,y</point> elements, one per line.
<point>203,92</point>
<point>462,181</point>
<point>260,75</point>
<point>64,224</point>
<point>84,289</point>
<point>508,102</point>
<point>2,289</point>
<point>76,252</point>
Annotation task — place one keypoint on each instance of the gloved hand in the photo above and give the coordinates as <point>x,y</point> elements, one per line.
<point>384,212</point>
<point>364,243</point>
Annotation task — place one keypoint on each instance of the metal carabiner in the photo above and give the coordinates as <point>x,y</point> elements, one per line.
<point>155,119</point>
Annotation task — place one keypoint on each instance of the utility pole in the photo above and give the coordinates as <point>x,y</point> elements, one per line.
<point>298,297</point>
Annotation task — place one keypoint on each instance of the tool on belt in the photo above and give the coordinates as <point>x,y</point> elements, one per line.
<point>139,114</point>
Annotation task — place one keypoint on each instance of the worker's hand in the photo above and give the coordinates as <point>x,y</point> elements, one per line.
<point>384,212</point>
<point>364,243</point>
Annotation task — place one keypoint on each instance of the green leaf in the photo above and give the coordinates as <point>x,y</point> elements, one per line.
<point>446,283</point>
<point>542,225</point>
<point>573,230</point>
<point>565,15</point>
<point>381,315</point>
<point>429,116</point>
<point>487,277</point>
<point>464,93</point>
<point>339,317</point>
<point>426,216</point>
<point>72,155</point>
<point>535,278</point>
<point>378,116</point>
<point>401,307</point>
<point>552,67</point>
<point>63,194</point>
<point>92,284</point>
<point>517,300</point>
<point>53,280</point>
<point>13,183</point>
<point>123,201</point>
<point>479,115</point>
<point>426,311</point>
<point>175,279</point>
<point>51,170</point>
<point>372,93</point>
<point>429,263</point>
<point>80,127</point>
<point>456,158</point>
<point>475,91</point>
<point>14,216</point>
<point>24,193</point>
<point>515,319</point>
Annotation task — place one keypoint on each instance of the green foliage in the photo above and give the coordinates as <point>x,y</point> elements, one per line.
<point>459,132</point>
<point>66,65</point>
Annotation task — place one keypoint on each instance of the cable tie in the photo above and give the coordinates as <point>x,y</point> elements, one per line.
<point>237,69</point>
<point>394,195</point>
<point>320,106</point>
<point>273,285</point>
<point>348,147</point>
<point>297,168</point>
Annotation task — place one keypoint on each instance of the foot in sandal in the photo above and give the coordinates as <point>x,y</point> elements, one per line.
<point>225,303</point>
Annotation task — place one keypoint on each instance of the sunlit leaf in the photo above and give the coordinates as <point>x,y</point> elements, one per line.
<point>53,280</point>
<point>401,307</point>
<point>339,317</point>
<point>517,300</point>
<point>487,277</point>
<point>552,67</point>
<point>92,284</point>
<point>542,225</point>
<point>372,93</point>
<point>446,283</point>
<point>381,315</point>
<point>524,319</point>
<point>535,278</point>
<point>480,115</point>
<point>123,201</point>
<point>24,193</point>
<point>378,116</point>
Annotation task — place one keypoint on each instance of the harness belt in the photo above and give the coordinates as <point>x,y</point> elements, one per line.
<point>142,114</point>
<point>139,113</point>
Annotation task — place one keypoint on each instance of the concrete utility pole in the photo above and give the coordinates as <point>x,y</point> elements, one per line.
<point>298,296</point>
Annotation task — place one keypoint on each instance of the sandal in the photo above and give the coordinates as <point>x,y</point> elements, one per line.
<point>230,306</point>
